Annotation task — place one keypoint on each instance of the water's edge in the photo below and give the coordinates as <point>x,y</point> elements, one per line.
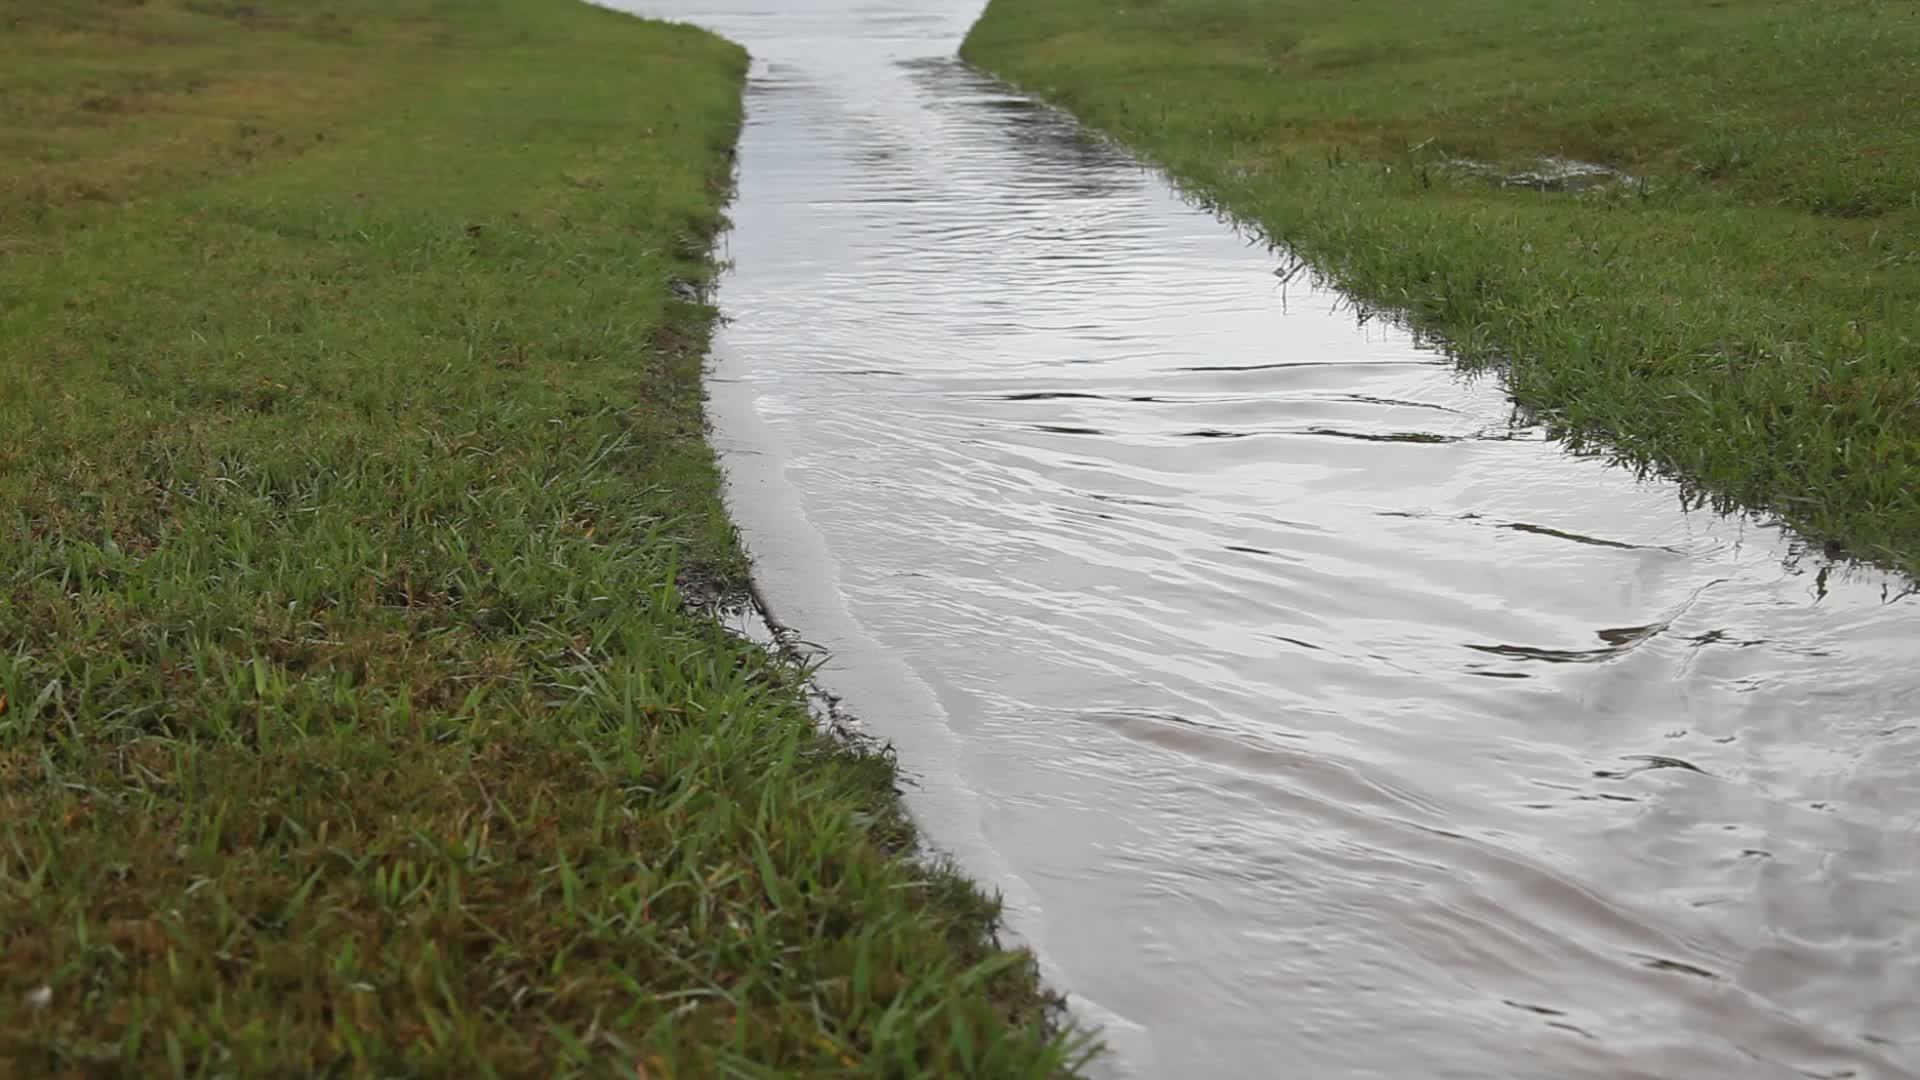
<point>1303,701</point>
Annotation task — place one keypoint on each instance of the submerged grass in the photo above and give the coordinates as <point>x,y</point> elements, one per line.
<point>1745,311</point>
<point>352,481</point>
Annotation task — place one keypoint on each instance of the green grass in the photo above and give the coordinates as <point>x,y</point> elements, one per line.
<point>1749,317</point>
<point>353,719</point>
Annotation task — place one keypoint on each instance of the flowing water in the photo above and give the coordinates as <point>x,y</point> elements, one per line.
<point>1317,715</point>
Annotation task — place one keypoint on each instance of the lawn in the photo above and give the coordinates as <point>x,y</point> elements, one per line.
<point>1741,306</point>
<point>358,715</point>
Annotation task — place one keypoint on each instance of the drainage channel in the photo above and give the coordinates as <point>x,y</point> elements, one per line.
<point>1317,714</point>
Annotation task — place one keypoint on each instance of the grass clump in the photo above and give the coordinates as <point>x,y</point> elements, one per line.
<point>1743,307</point>
<point>352,486</point>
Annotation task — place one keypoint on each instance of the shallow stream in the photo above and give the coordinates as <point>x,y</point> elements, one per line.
<point>1317,714</point>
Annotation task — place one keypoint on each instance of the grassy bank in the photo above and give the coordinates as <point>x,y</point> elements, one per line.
<point>351,484</point>
<point>1748,316</point>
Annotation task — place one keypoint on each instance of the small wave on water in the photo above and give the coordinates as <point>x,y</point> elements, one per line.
<point>1310,706</point>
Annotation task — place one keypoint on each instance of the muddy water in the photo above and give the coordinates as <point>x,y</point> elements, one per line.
<point>1318,716</point>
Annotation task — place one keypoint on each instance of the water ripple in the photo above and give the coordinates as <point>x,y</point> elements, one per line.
<point>1310,704</point>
